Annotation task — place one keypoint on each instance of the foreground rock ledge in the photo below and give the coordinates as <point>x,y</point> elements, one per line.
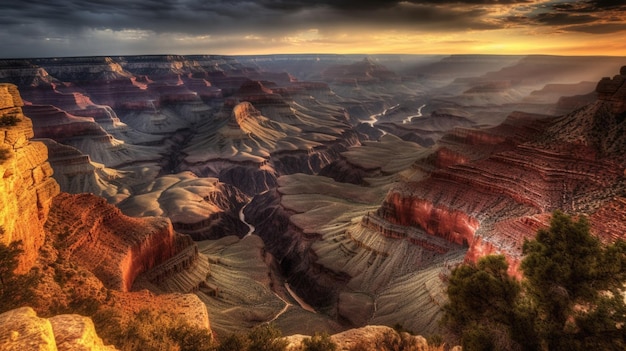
<point>368,335</point>
<point>21,330</point>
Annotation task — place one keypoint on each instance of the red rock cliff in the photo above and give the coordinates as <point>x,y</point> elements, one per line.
<point>452,225</point>
<point>115,247</point>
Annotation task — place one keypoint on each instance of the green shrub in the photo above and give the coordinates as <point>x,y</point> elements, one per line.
<point>319,342</point>
<point>190,338</point>
<point>266,338</point>
<point>15,290</point>
<point>5,154</point>
<point>9,120</point>
<point>234,342</point>
<point>150,330</point>
<point>262,338</point>
<point>571,297</point>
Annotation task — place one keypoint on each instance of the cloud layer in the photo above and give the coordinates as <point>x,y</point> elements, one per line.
<point>89,27</point>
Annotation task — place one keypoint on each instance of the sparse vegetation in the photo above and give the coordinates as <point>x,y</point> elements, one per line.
<point>5,154</point>
<point>393,340</point>
<point>234,342</point>
<point>151,330</point>
<point>319,342</point>
<point>572,296</point>
<point>9,120</point>
<point>262,338</point>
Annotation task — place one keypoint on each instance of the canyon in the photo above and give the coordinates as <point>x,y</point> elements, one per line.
<point>314,192</point>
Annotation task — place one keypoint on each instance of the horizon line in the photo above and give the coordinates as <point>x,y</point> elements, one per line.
<point>306,54</point>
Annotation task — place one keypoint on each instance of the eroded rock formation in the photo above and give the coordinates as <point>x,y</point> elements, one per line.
<point>203,208</point>
<point>116,248</point>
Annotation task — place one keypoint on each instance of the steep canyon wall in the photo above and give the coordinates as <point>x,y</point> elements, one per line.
<point>26,184</point>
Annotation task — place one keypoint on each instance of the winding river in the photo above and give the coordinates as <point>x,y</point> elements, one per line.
<point>298,299</point>
<point>418,115</point>
<point>374,118</point>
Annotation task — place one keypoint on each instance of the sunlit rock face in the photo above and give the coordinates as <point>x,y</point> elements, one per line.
<point>22,329</point>
<point>26,180</point>
<point>454,226</point>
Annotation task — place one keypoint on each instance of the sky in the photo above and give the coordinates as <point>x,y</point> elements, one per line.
<point>55,28</point>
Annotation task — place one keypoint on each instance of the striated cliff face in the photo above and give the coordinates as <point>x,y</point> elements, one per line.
<point>26,183</point>
<point>613,90</point>
<point>439,220</point>
<point>116,248</point>
<point>505,184</point>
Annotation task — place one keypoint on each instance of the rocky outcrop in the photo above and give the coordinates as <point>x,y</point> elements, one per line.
<point>116,248</point>
<point>26,182</point>
<point>203,208</point>
<point>76,332</point>
<point>613,90</point>
<point>187,307</point>
<point>461,203</point>
<point>21,329</point>
<point>372,336</point>
<point>438,220</point>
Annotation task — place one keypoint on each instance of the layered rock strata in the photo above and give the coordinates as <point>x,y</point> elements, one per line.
<point>497,200</point>
<point>26,182</point>
<point>116,248</point>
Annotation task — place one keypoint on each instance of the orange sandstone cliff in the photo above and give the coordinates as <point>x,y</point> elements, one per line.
<point>26,183</point>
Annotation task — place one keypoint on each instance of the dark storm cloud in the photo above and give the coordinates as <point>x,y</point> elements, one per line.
<point>592,17</point>
<point>238,16</point>
<point>359,5</point>
<point>48,25</point>
<point>599,28</point>
<point>590,6</point>
<point>40,25</point>
<point>559,19</point>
